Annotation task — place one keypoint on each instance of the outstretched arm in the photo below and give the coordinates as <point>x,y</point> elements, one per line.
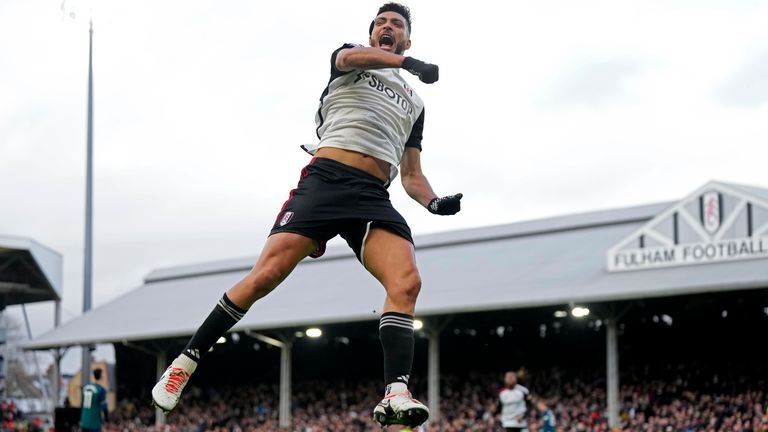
<point>417,186</point>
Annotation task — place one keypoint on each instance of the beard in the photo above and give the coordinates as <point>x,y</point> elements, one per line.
<point>397,48</point>
<point>400,48</point>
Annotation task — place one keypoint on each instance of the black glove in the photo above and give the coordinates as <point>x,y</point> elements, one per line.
<point>427,73</point>
<point>446,205</point>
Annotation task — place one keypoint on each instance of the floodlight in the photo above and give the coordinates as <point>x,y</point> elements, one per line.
<point>579,311</point>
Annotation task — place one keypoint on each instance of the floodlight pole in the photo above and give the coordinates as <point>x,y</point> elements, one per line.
<point>85,372</point>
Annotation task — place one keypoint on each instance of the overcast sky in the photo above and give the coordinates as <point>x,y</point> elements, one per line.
<point>542,109</point>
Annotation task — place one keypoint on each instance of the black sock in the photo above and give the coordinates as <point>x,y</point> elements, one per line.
<point>222,318</point>
<point>396,334</point>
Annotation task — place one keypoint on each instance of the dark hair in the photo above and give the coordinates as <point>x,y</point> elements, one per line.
<point>393,7</point>
<point>97,374</point>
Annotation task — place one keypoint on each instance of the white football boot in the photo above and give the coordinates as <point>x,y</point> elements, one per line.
<point>400,408</point>
<point>167,391</point>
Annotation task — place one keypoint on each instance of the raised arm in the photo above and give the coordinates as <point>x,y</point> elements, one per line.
<point>364,58</point>
<point>367,58</point>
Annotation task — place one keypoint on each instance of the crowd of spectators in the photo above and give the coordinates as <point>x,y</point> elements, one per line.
<point>13,419</point>
<point>10,415</point>
<point>674,400</point>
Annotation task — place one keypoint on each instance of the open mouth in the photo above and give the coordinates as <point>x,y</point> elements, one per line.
<point>386,41</point>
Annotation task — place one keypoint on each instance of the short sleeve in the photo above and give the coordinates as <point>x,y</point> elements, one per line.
<point>335,72</point>
<point>414,140</point>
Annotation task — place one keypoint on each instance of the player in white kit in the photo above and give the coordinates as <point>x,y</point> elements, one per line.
<point>370,121</point>
<point>513,400</point>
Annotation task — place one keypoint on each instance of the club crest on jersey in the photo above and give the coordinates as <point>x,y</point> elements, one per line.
<point>408,89</point>
<point>287,216</point>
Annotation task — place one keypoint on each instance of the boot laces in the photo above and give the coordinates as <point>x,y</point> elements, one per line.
<point>176,380</point>
<point>406,394</point>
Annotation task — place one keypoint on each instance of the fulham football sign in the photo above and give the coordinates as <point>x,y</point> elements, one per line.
<point>719,222</point>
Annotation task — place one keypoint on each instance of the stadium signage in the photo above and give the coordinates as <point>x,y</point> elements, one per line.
<point>696,253</point>
<point>711,211</point>
<point>717,223</point>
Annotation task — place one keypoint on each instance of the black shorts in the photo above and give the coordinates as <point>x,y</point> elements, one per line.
<point>332,198</point>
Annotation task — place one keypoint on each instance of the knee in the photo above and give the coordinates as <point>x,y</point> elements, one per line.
<point>407,289</point>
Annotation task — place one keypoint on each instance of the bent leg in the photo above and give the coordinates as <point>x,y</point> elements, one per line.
<point>281,254</point>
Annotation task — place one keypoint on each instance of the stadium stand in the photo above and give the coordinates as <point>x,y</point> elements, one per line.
<point>698,374</point>
<point>680,400</point>
<point>495,298</point>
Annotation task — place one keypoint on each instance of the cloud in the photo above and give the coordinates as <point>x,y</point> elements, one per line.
<point>200,108</point>
<point>593,82</point>
<point>749,86</point>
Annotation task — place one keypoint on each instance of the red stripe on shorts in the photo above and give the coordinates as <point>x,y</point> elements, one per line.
<point>304,173</point>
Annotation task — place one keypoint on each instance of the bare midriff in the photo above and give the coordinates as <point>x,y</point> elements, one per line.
<point>373,166</point>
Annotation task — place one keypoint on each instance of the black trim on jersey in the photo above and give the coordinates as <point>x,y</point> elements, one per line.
<point>414,140</point>
<point>335,73</point>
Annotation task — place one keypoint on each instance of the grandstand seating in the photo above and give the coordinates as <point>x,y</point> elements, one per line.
<point>675,400</point>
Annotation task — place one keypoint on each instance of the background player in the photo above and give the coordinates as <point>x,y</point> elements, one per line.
<point>94,405</point>
<point>548,422</point>
<point>513,400</point>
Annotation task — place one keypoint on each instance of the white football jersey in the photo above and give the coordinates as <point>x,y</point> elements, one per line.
<point>374,112</point>
<point>513,406</point>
